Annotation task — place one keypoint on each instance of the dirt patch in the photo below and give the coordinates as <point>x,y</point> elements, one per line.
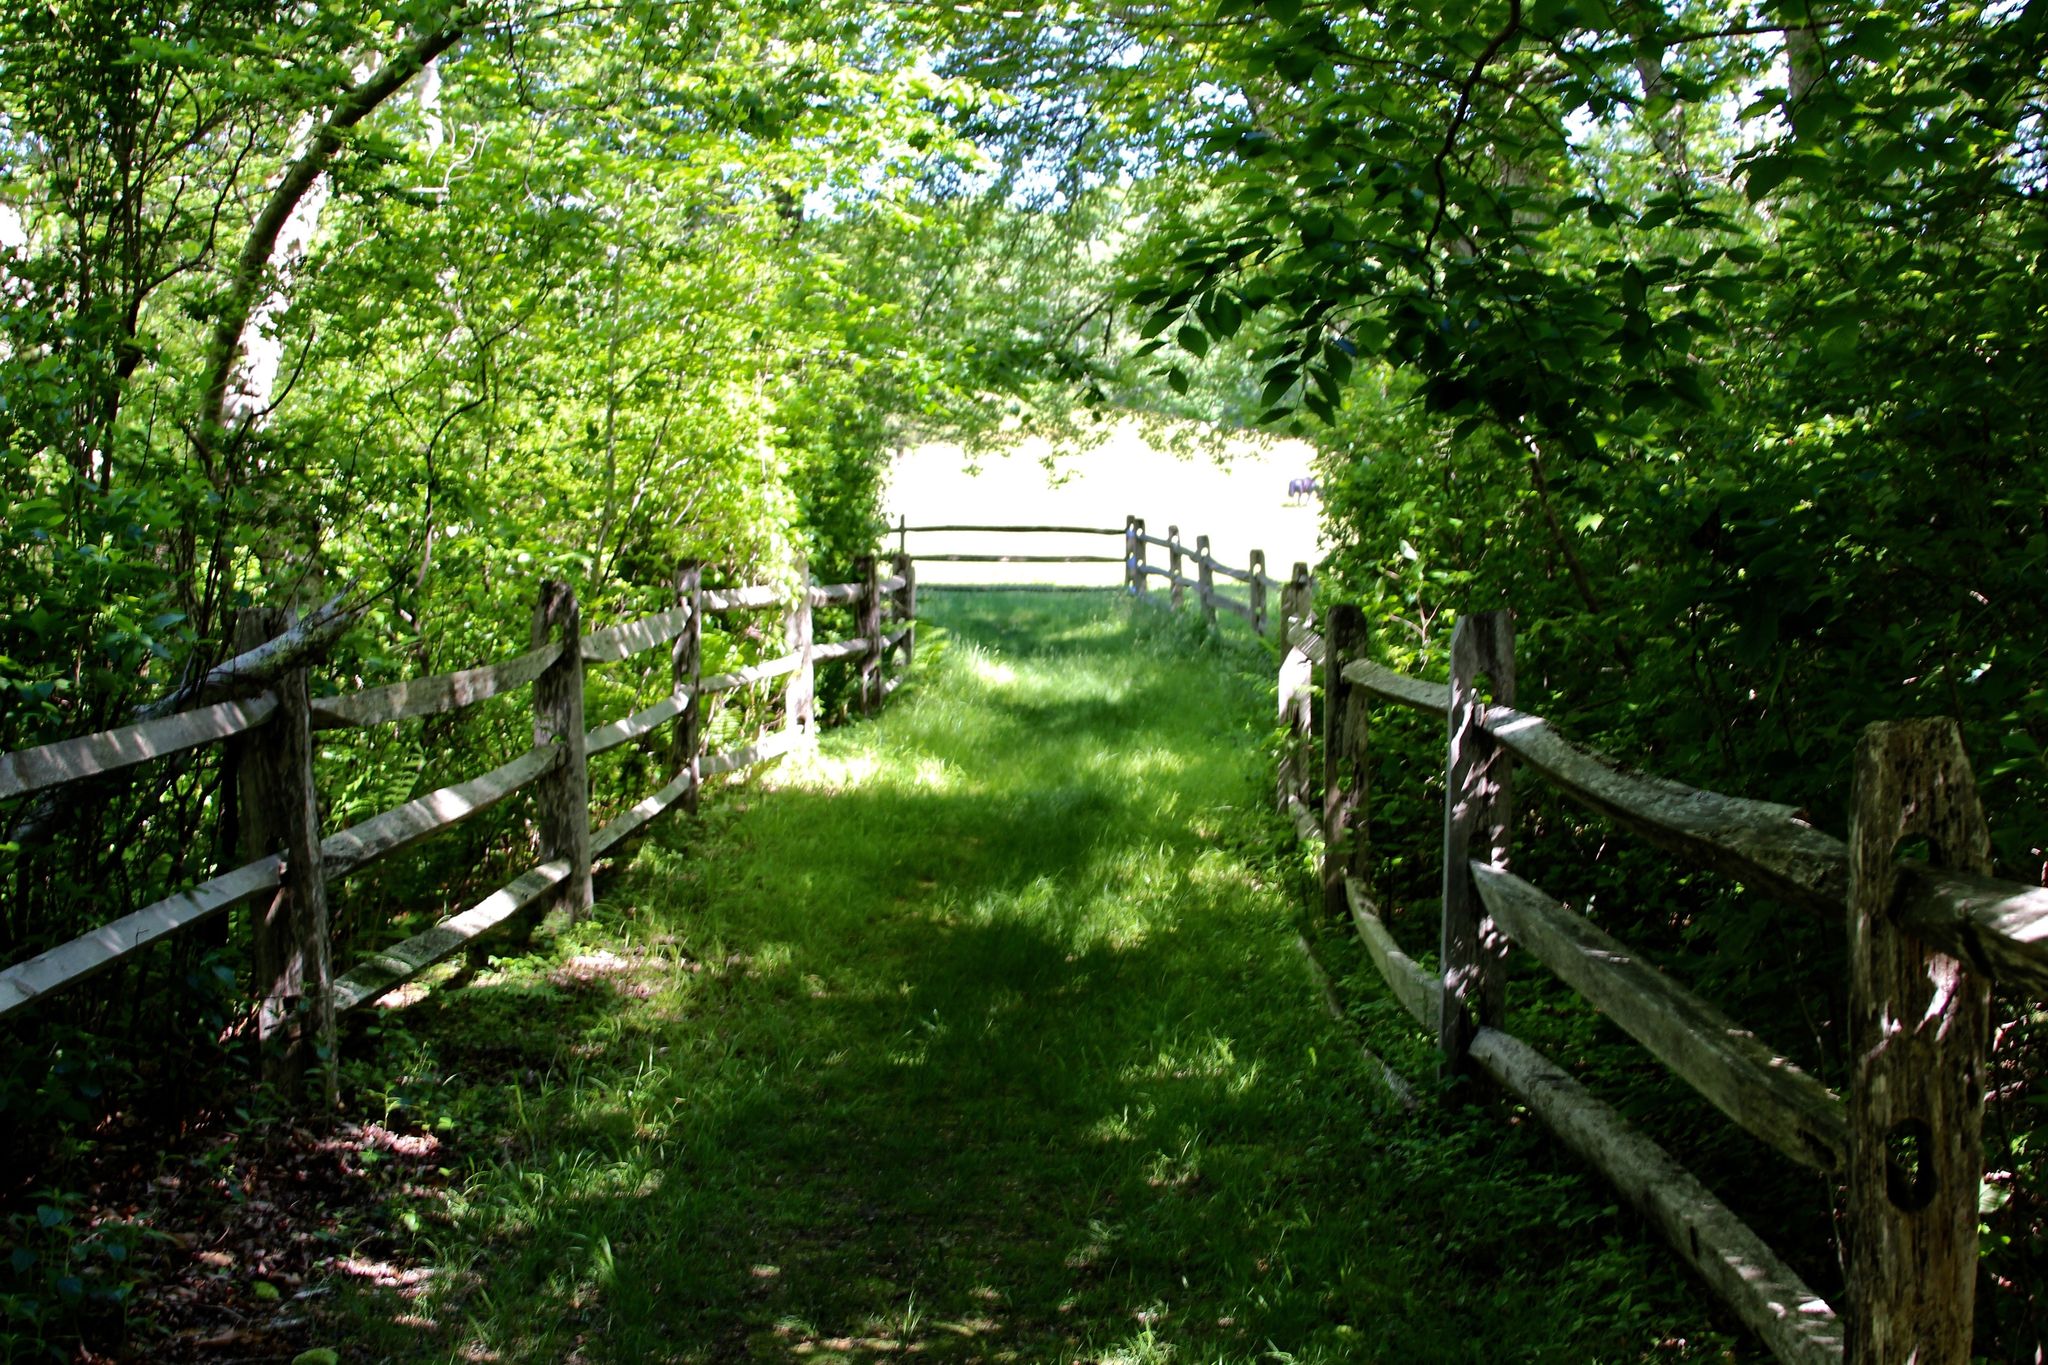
<point>227,1237</point>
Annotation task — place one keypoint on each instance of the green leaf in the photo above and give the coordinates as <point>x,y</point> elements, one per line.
<point>1338,360</point>
<point>1225,316</point>
<point>1193,340</point>
<point>1327,385</point>
<point>1685,383</point>
<point>1768,172</point>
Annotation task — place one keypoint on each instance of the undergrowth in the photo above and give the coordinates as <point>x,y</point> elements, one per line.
<point>978,1035</point>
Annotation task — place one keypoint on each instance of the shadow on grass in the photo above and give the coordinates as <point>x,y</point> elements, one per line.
<point>977,1037</point>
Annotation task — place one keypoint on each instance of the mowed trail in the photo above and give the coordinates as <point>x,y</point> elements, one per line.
<point>978,1035</point>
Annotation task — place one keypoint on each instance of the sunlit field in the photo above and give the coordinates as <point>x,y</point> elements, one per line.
<point>1240,501</point>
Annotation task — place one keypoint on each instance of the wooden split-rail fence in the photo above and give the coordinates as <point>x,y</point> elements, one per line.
<point>1928,941</point>
<point>1138,570</point>
<point>291,862</point>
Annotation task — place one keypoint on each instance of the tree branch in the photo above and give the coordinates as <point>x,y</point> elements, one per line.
<point>1461,113</point>
<point>357,103</point>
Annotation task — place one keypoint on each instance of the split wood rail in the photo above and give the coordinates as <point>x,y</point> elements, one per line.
<point>290,863</point>
<point>1927,941</point>
<point>1138,571</point>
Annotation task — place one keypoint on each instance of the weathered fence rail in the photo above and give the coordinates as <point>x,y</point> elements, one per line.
<point>288,859</point>
<point>1138,570</point>
<point>1927,942</point>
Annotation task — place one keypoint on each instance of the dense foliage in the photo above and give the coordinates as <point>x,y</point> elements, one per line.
<point>415,306</point>
<point>1705,334</point>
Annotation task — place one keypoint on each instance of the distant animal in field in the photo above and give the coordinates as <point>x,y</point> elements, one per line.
<point>1300,488</point>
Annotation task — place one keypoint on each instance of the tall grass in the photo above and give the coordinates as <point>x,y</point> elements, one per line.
<point>977,1035</point>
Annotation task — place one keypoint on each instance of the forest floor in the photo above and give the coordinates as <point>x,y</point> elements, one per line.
<point>981,1034</point>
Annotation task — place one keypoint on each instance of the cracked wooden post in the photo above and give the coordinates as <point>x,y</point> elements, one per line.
<point>1134,548</point>
<point>1173,552</point>
<point>686,670</point>
<point>800,697</point>
<point>280,814</point>
<point>1258,587</point>
<point>1207,576</point>
<point>1344,753</point>
<point>1297,680</point>
<point>904,567</point>
<point>1918,1023</point>
<point>867,571</point>
<point>562,797</point>
<point>1478,806</point>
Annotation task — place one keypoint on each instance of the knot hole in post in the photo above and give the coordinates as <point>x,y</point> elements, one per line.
<point>1909,1176</point>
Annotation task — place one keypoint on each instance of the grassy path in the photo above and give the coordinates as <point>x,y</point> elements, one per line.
<point>978,1036</point>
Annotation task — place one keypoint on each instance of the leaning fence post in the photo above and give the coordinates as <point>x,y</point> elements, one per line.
<point>1478,804</point>
<point>800,698</point>
<point>1207,575</point>
<point>905,568</point>
<point>1173,551</point>
<point>280,814</point>
<point>1297,678</point>
<point>1258,586</point>
<point>562,797</point>
<point>1344,770</point>
<point>686,670</point>
<point>867,570</point>
<point>1918,1021</point>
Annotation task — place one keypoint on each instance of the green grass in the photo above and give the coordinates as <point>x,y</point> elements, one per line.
<point>979,1035</point>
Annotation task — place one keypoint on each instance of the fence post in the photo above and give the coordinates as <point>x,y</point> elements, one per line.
<point>1344,770</point>
<point>1918,1021</point>
<point>1207,578</point>
<point>1258,586</point>
<point>1478,804</point>
<point>902,534</point>
<point>800,699</point>
<point>904,567</point>
<point>1134,536</point>
<point>1297,678</point>
<point>686,670</point>
<point>280,814</point>
<point>562,798</point>
<point>867,570</point>
<point>1179,589</point>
